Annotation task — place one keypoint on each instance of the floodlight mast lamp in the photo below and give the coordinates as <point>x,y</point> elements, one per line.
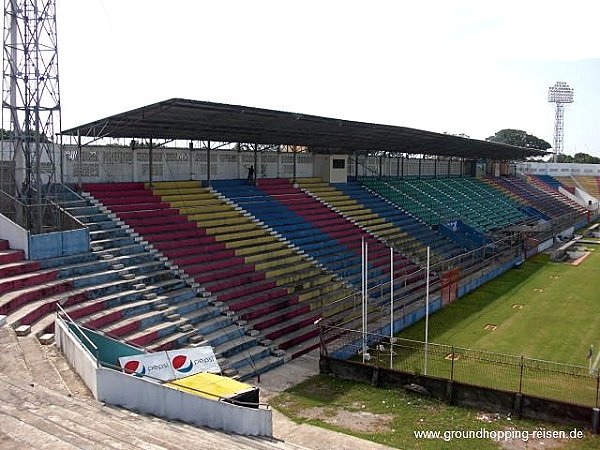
<point>30,93</point>
<point>559,94</point>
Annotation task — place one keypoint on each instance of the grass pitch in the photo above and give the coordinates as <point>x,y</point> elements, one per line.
<point>558,320</point>
<point>392,416</point>
<point>542,310</point>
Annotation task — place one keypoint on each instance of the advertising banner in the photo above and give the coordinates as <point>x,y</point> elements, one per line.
<point>189,361</point>
<point>148,365</point>
<point>171,365</point>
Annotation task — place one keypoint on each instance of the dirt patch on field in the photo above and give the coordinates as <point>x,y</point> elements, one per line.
<point>361,421</point>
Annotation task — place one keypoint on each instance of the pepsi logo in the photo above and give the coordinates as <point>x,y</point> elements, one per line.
<point>182,363</point>
<point>134,367</point>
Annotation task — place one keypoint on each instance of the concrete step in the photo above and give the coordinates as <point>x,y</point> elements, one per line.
<point>38,417</point>
<point>259,367</point>
<point>249,357</point>
<point>235,345</point>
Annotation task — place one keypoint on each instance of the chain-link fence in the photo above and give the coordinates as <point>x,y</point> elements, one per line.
<point>544,379</point>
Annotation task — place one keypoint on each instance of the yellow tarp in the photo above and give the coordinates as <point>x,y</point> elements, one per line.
<point>210,385</point>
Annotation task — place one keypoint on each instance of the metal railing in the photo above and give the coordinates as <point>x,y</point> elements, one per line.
<point>60,312</point>
<point>37,218</point>
<point>408,299</point>
<point>517,374</point>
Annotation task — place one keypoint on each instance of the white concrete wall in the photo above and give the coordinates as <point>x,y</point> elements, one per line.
<point>139,394</point>
<point>585,197</point>
<point>325,170</point>
<point>116,164</point>
<point>336,174</point>
<point>17,236</point>
<point>77,355</point>
<point>558,169</point>
<point>118,388</point>
<point>545,245</point>
<point>580,197</point>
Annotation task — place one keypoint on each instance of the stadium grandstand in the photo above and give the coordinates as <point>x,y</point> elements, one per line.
<point>187,224</point>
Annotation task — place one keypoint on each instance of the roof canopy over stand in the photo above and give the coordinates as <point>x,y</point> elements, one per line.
<point>180,119</point>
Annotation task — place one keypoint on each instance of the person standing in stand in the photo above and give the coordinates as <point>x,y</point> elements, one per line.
<point>251,175</point>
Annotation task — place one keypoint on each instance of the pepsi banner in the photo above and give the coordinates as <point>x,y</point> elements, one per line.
<point>171,365</point>
<point>190,361</point>
<point>148,365</point>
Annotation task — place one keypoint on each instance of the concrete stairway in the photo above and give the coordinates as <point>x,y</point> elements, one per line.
<point>41,406</point>
<point>120,288</point>
<point>269,285</point>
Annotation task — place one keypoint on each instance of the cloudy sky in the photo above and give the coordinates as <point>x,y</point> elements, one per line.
<point>461,66</point>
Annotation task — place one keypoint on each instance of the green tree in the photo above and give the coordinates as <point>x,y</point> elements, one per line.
<point>564,159</point>
<point>519,138</point>
<point>585,158</point>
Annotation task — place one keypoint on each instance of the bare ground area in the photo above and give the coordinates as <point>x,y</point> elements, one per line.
<point>360,421</point>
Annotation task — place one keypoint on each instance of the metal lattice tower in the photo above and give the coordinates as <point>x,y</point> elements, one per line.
<point>559,94</point>
<point>30,96</point>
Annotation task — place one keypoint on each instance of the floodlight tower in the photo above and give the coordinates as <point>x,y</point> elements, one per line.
<point>559,94</point>
<point>30,95</point>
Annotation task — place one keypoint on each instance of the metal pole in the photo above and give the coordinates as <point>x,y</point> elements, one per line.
<point>391,307</point>
<point>79,160</point>
<point>133,164</point>
<point>426,313</point>
<point>208,163</point>
<point>62,161</point>
<point>366,347</point>
<point>150,163</point>
<point>521,377</point>
<point>452,365</point>
<point>239,158</point>
<point>256,163</point>
<point>295,161</point>
<point>279,161</point>
<point>597,387</point>
<point>191,146</point>
<point>362,268</point>
<point>38,146</point>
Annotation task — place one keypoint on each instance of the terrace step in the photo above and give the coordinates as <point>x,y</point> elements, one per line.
<point>160,306</point>
<point>23,330</point>
<point>46,339</point>
<point>172,317</point>
<point>249,357</point>
<point>186,328</point>
<point>234,346</point>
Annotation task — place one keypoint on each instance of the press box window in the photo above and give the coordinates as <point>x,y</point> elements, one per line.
<point>339,163</point>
